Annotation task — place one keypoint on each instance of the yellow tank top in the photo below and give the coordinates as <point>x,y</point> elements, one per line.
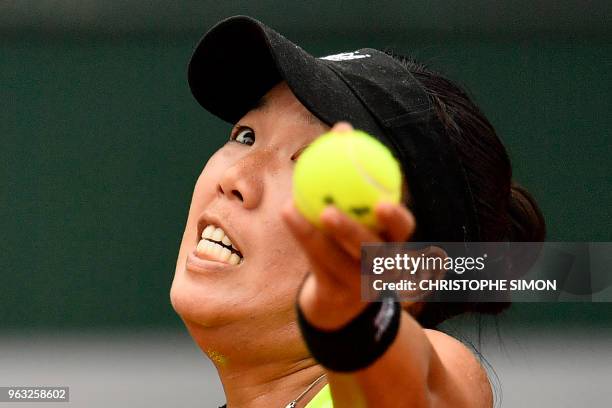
<point>323,399</point>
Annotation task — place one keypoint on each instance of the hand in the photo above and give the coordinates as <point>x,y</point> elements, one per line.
<point>330,296</point>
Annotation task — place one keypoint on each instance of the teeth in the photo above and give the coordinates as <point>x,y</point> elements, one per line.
<point>207,233</point>
<point>217,234</point>
<point>225,254</point>
<point>215,250</point>
<point>201,247</point>
<point>234,259</point>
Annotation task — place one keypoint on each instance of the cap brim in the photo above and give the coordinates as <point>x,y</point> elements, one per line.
<point>240,59</point>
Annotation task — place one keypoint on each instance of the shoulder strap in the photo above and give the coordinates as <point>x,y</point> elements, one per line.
<point>323,399</point>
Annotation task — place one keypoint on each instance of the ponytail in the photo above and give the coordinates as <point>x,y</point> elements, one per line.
<point>526,220</point>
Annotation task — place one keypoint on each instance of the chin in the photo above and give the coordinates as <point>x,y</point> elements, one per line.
<point>197,302</point>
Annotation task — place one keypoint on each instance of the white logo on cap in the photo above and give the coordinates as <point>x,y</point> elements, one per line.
<point>346,56</point>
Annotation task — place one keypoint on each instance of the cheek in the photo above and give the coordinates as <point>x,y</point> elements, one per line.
<point>203,193</point>
<point>285,263</point>
<point>205,189</point>
<point>206,184</point>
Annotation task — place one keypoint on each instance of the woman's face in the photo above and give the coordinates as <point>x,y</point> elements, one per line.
<point>242,189</point>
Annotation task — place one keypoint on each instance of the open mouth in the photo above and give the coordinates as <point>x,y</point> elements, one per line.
<point>216,245</point>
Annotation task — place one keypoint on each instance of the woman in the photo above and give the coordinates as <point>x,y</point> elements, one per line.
<point>248,260</point>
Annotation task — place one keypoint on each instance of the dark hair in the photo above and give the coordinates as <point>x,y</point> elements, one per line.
<point>505,210</point>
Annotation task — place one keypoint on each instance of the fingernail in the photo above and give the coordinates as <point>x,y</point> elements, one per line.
<point>330,216</point>
<point>343,127</point>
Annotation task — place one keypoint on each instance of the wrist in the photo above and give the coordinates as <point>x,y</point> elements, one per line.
<point>359,342</point>
<point>328,306</point>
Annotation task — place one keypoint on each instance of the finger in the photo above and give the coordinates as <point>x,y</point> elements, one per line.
<point>349,233</point>
<point>342,127</point>
<point>396,220</point>
<point>328,259</point>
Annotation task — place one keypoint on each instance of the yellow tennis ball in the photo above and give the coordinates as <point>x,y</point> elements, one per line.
<point>350,170</point>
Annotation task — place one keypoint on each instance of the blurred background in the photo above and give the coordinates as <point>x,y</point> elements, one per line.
<point>101,144</point>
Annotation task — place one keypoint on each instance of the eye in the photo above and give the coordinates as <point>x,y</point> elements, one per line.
<point>297,154</point>
<point>243,135</point>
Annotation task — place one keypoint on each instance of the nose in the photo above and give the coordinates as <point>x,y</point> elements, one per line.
<point>243,182</point>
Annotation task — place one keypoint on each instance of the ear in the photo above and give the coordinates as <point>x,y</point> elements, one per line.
<point>430,272</point>
<point>438,272</point>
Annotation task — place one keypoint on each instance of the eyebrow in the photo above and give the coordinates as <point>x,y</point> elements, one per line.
<point>261,104</point>
<point>311,119</point>
<point>307,117</point>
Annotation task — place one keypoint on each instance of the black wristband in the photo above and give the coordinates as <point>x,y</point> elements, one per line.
<point>358,343</point>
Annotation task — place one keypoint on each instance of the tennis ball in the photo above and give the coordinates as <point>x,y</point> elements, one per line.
<point>350,170</point>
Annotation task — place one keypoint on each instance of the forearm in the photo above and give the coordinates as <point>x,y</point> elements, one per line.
<point>419,368</point>
<point>398,378</point>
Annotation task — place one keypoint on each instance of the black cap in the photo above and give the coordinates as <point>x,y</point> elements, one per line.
<point>240,59</point>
